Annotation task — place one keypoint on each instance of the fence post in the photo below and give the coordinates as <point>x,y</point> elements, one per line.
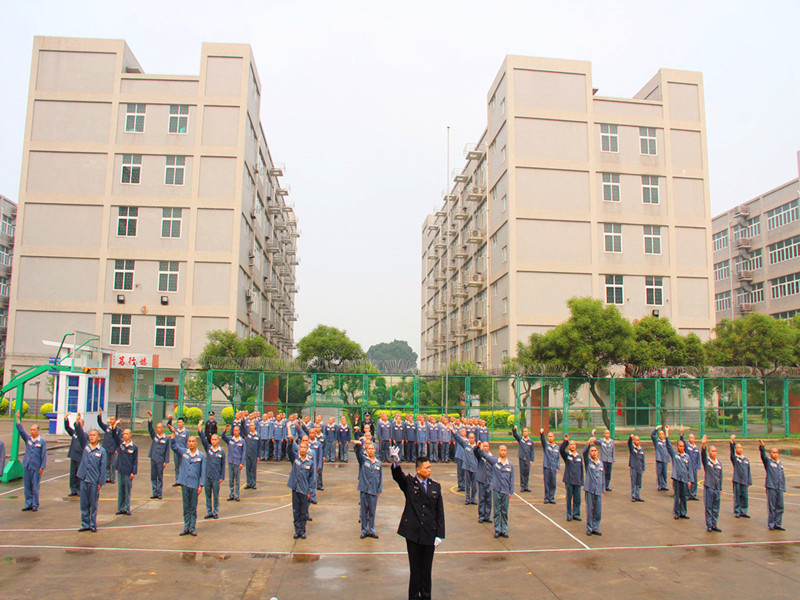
<point>516,402</point>
<point>364,393</point>
<point>786,414</point>
<point>744,405</point>
<point>261,389</point>
<point>467,398</point>
<point>612,399</point>
<point>313,390</point>
<point>133,395</point>
<point>702,391</point>
<point>565,405</point>
<point>181,382</point>
<point>416,394</point>
<point>658,401</point>
<point>209,389</point>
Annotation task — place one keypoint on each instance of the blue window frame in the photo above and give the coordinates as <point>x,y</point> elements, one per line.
<point>73,383</point>
<point>95,394</point>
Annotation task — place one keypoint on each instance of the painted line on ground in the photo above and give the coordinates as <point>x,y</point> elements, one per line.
<point>260,552</point>
<point>40,483</point>
<point>148,525</point>
<point>553,522</point>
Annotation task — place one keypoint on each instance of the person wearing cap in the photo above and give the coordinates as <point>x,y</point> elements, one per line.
<point>211,425</point>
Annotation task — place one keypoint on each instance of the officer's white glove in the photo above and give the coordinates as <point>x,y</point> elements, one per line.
<point>394,454</point>
<point>436,542</point>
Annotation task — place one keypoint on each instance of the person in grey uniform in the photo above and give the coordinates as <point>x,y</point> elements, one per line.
<point>191,478</point>
<point>410,438</point>
<point>33,464</point>
<point>383,433</point>
<point>329,435</point>
<point>573,477</point>
<point>215,471</point>
<point>127,468</point>
<point>158,455</point>
<point>712,485</point>
<point>775,484</point>
<point>502,485</point>
<point>111,439</point>
<point>681,476</point>
<point>370,486</point>
<point>693,450</point>
<point>421,427</point>
<point>484,479</point>
<point>636,464</point>
<point>433,440</point>
<point>92,473</point>
<point>742,480</point>
<point>343,437</point>
<point>182,433</point>
<point>445,437</point>
<point>302,481</point>
<point>551,463</point>
<point>662,456</point>
<point>74,455</point>
<point>525,455</point>
<point>252,442</point>
<point>594,486</point>
<point>608,455</point>
<point>469,466</point>
<point>236,459</point>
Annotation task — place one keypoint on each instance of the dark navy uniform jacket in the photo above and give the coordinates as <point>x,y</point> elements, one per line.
<point>193,468</point>
<point>552,459</point>
<point>713,470</point>
<point>681,465</point>
<point>776,478</point>
<point>662,454</point>
<point>502,474</point>
<point>112,437</point>
<point>741,468</point>
<point>422,432</point>
<point>342,433</point>
<point>694,455</point>
<point>92,469</point>
<point>397,431</point>
<point>595,482</point>
<point>370,474</point>
<point>251,443</point>
<point>215,460</point>
<point>384,430</point>
<point>128,459</point>
<point>573,465</point>
<point>35,450</point>
<point>159,449</point>
<point>423,516</point>
<point>236,449</point>
<point>302,479</point>
<point>636,458</point>
<point>468,460</point>
<point>526,447</point>
<point>75,447</point>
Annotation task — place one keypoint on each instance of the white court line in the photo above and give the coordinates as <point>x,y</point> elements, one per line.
<point>40,483</point>
<point>146,525</point>
<point>403,553</point>
<point>275,473</point>
<point>553,522</point>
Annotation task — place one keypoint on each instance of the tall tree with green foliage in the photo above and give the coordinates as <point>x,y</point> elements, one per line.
<point>657,344</point>
<point>393,357</point>
<point>328,348</point>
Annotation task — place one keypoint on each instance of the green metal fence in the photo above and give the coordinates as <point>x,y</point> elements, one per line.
<point>748,407</point>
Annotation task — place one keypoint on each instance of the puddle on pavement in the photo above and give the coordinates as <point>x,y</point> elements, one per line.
<point>328,573</point>
<point>305,558</point>
<point>189,556</point>
<point>785,552</point>
<point>23,560</point>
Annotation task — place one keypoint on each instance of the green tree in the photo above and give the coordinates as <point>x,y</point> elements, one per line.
<point>657,344</point>
<point>235,360</point>
<point>327,349</point>
<point>393,357</point>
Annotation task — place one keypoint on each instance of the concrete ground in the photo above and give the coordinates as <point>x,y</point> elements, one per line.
<point>249,552</point>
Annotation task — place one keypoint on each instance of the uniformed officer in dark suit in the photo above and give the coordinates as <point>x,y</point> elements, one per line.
<point>211,425</point>
<point>422,523</point>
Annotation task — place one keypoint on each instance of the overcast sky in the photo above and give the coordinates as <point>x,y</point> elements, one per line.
<point>357,97</point>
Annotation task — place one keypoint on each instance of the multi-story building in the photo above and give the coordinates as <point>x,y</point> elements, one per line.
<point>569,193</point>
<point>151,209</point>
<point>757,255</point>
<point>8,215</point>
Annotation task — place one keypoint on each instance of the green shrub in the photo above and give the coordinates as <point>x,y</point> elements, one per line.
<point>711,419</point>
<point>227,414</point>
<point>3,406</point>
<point>192,415</point>
<point>46,408</point>
<point>25,408</point>
<point>495,419</point>
<point>511,420</point>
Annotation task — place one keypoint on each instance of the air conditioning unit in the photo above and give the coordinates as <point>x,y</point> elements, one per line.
<point>248,295</point>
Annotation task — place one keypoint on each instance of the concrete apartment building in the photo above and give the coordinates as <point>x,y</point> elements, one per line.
<point>8,216</point>
<point>569,193</point>
<point>151,209</point>
<point>757,255</point>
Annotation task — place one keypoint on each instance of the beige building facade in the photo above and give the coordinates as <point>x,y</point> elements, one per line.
<point>151,210</point>
<point>8,216</point>
<point>569,193</point>
<point>757,255</point>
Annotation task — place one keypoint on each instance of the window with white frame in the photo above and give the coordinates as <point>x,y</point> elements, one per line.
<point>652,239</point>
<point>503,154</point>
<point>120,330</point>
<point>171,222</point>
<point>654,290</point>
<point>750,296</point>
<point>612,236</point>
<point>494,338</point>
<point>493,101</point>
<point>493,148</point>
<point>784,250</point>
<point>755,261</point>
<point>6,256</point>
<point>168,276</point>
<point>3,317</point>
<point>504,305</point>
<point>8,226</point>
<point>127,218</point>
<point>723,301</point>
<point>504,254</point>
<point>178,118</point>
<point>131,168</point>
<point>720,240</point>
<point>788,285</point>
<point>614,291</point>
<point>722,270</point>
<point>751,228</point>
<point>165,332</point>
<point>650,189</point>
<point>503,203</point>
<point>647,140</point>
<point>783,215</point>
<point>494,289</point>
<point>5,286</point>
<point>786,315</point>
<point>609,138</point>
<point>503,106</point>
<point>134,118</point>
<point>174,174</point>
<point>611,187</point>
<point>123,275</point>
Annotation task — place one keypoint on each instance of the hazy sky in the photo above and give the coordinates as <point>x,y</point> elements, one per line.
<point>357,97</point>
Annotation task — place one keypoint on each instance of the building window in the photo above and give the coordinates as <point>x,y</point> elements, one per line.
<point>494,289</point>
<point>6,255</point>
<point>614,289</point>
<point>73,390</point>
<point>131,168</point>
<point>493,148</point>
<point>505,306</point>
<point>503,154</point>
<point>504,254</point>
<point>611,187</point>
<point>750,229</point>
<point>123,275</point>
<point>168,276</point>
<point>127,216</point>
<point>494,241</point>
<point>134,119</point>
<point>784,250</point>
<point>165,332</point>
<point>652,239</point>
<point>786,315</point>
<point>722,270</point>
<point>720,240</point>
<point>786,213</point>
<point>503,203</point>
<point>788,285</point>
<point>494,338</point>
<point>749,264</point>
<point>175,169</point>
<point>3,317</point>
<point>649,189</point>
<point>8,227</point>
<point>5,287</point>
<point>171,222</point>
<point>654,290</point>
<point>503,106</point>
<point>120,330</point>
<point>757,293</point>
<point>647,140</point>
<point>723,301</point>
<point>612,234</point>
<point>178,118</point>
<point>609,138</point>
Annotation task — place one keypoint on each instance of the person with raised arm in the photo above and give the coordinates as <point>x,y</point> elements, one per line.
<point>127,467</point>
<point>236,459</point>
<point>370,486</point>
<point>681,476</point>
<point>92,473</point>
<point>636,464</point>
<point>75,453</point>
<point>525,455</point>
<point>33,464</point>
<point>775,485</point>
<point>742,480</point>
<point>301,481</point>
<point>215,471</point>
<point>693,450</point>
<point>608,455</point>
<point>662,456</point>
<point>484,479</point>
<point>502,486</point>
<point>712,485</point>
<point>191,478</point>
<point>594,486</point>
<point>158,455</point>
<point>551,463</point>
<point>573,477</point>
<point>112,436</point>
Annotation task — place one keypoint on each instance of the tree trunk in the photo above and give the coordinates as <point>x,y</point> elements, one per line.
<point>603,408</point>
